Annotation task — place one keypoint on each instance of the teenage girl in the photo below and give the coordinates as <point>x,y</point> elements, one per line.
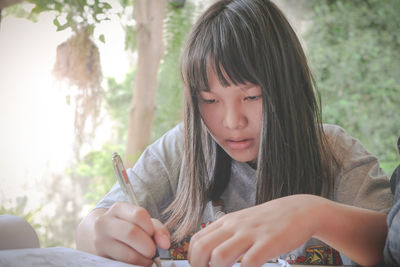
<point>252,146</point>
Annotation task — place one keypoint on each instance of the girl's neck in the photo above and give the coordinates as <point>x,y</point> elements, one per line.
<point>252,164</point>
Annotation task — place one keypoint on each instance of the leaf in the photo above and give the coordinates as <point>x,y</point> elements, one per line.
<point>107,6</point>
<point>56,22</point>
<point>102,38</point>
<point>90,29</point>
<point>130,38</point>
<point>58,7</point>
<point>59,26</point>
<point>38,9</point>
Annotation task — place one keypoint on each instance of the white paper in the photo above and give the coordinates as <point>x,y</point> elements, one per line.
<point>57,256</point>
<point>186,264</point>
<point>67,257</point>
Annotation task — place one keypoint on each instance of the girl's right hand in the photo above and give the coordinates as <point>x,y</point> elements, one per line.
<point>126,232</point>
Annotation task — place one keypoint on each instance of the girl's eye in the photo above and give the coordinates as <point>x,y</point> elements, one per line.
<point>252,98</point>
<point>208,101</point>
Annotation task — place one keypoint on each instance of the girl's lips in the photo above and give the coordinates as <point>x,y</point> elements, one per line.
<point>238,145</point>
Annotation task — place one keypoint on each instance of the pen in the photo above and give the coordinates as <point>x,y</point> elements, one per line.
<point>126,186</point>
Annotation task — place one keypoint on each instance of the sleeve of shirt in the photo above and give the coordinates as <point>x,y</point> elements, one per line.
<point>360,182</point>
<point>392,246</point>
<point>155,175</point>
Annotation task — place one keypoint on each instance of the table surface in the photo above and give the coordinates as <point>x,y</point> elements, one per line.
<point>68,257</point>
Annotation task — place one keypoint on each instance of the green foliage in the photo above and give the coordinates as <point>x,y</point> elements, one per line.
<point>97,167</point>
<point>127,17</point>
<point>130,38</point>
<point>118,97</point>
<point>169,112</point>
<point>19,11</point>
<point>176,3</point>
<point>74,14</point>
<point>354,53</point>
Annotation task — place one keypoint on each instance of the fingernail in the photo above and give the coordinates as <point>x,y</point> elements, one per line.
<point>164,239</point>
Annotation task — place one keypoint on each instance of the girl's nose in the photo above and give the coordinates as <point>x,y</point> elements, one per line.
<point>234,118</point>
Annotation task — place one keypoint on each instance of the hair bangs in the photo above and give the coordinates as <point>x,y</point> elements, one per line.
<point>231,47</point>
<point>216,46</point>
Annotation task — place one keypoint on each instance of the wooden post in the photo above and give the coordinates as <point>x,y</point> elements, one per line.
<point>149,21</point>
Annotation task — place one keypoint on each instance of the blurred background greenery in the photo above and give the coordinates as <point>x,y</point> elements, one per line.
<point>353,50</point>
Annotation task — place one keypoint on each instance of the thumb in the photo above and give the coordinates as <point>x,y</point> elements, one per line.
<point>161,234</point>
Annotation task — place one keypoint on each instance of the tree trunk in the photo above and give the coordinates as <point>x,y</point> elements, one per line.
<point>7,3</point>
<point>149,22</point>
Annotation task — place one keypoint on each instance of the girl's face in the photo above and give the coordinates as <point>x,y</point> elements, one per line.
<point>233,115</point>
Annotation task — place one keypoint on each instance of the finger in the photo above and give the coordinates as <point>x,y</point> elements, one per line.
<point>209,228</point>
<point>258,254</point>
<point>161,234</point>
<point>228,252</point>
<point>200,249</point>
<point>135,214</point>
<point>121,252</point>
<point>131,235</point>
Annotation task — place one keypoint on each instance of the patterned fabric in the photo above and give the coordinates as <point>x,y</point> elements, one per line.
<point>179,251</point>
<point>314,255</point>
<point>317,255</point>
<point>320,254</point>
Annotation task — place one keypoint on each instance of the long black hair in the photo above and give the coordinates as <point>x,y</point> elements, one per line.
<point>251,41</point>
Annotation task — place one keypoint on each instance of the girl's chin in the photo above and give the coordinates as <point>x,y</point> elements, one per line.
<point>241,157</point>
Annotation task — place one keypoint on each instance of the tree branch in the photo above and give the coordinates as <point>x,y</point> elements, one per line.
<point>7,3</point>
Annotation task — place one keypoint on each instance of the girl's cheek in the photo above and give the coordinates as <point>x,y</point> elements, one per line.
<point>209,113</point>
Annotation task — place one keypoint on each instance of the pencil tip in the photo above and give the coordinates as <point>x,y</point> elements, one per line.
<point>157,262</point>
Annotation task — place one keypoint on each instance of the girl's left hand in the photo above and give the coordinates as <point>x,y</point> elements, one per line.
<point>257,234</point>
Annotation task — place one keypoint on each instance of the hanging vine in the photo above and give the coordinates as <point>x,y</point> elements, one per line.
<point>78,63</point>
<point>78,60</point>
